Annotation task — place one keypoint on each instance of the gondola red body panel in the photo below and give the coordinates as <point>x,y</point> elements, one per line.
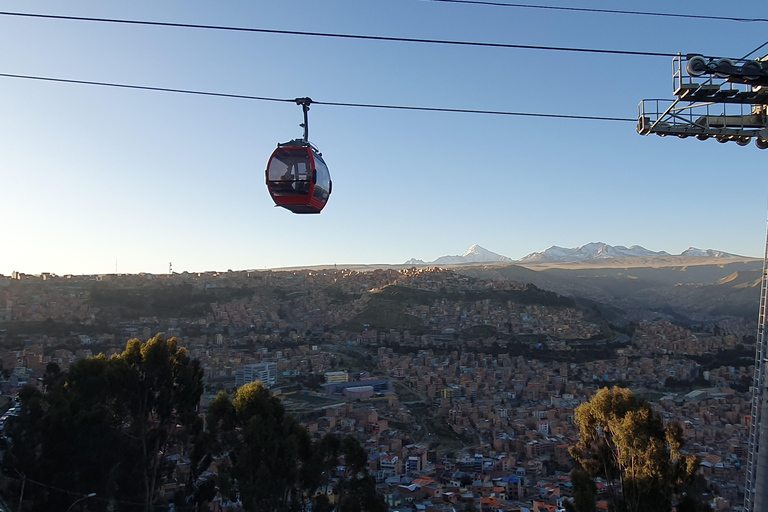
<point>298,178</point>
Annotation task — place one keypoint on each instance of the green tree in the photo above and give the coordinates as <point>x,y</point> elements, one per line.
<point>584,492</point>
<point>106,425</point>
<point>267,447</point>
<point>157,387</point>
<point>66,439</point>
<point>622,439</point>
<point>276,467</point>
<point>356,488</point>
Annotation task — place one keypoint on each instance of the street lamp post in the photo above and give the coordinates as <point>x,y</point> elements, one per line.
<point>91,495</point>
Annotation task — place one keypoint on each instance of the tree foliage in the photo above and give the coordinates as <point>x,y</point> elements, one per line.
<point>622,439</point>
<point>584,491</point>
<point>105,426</point>
<point>266,447</point>
<point>275,464</point>
<point>109,426</point>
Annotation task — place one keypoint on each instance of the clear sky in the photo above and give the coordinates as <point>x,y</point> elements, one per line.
<point>94,178</point>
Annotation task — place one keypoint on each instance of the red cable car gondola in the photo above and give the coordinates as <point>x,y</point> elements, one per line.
<point>297,176</point>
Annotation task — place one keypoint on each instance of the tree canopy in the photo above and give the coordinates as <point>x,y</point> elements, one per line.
<point>104,427</point>
<point>267,451</point>
<point>275,464</point>
<point>622,439</point>
<point>117,428</point>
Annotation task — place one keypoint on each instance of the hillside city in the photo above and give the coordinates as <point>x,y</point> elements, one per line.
<point>462,390</point>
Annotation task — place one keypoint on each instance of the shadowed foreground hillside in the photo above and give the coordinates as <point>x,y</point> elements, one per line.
<point>690,290</point>
<point>386,309</point>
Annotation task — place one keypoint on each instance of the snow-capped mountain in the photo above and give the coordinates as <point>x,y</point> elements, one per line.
<point>474,254</point>
<point>591,251</point>
<point>708,253</point>
<point>555,254</point>
<point>599,250</point>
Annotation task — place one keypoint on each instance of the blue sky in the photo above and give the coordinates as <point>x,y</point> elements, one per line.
<point>93,176</point>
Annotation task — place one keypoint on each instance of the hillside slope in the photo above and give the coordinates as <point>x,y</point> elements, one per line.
<point>701,293</point>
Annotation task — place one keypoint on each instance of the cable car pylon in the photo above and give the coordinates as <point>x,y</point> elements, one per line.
<point>756,487</point>
<point>297,176</point>
<point>726,99</point>
<point>721,98</point>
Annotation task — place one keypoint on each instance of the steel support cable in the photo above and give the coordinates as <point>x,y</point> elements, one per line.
<point>755,50</point>
<point>603,11</point>
<point>341,36</point>
<point>328,103</point>
<point>144,87</point>
<point>470,111</point>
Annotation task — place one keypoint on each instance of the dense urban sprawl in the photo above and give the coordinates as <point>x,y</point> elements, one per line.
<point>462,390</point>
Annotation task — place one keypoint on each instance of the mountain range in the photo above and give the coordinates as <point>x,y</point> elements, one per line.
<point>555,254</point>
<point>697,286</point>
<point>600,251</point>
<point>474,254</point>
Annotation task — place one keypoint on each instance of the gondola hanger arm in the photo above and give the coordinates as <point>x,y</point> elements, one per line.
<point>305,103</point>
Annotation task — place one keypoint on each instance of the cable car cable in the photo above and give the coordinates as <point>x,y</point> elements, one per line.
<point>145,88</point>
<point>469,111</point>
<point>604,11</point>
<point>328,103</point>
<point>755,50</point>
<point>342,36</point>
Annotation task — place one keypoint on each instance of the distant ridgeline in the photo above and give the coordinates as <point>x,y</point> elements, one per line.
<point>279,302</point>
<point>710,292</point>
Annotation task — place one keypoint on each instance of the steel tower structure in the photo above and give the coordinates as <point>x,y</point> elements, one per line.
<point>725,99</point>
<point>756,486</point>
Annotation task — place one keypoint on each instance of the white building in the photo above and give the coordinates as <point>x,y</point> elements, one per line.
<point>389,465</point>
<point>265,372</point>
<point>336,377</point>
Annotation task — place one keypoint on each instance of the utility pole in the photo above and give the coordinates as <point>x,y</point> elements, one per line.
<point>725,99</point>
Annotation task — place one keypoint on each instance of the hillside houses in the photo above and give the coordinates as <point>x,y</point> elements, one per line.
<point>475,401</point>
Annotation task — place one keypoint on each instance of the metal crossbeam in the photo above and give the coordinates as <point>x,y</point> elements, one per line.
<point>720,106</point>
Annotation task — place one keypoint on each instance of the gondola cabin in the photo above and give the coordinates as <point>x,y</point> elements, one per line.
<point>297,177</point>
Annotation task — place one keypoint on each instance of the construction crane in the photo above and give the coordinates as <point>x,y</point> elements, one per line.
<point>725,99</point>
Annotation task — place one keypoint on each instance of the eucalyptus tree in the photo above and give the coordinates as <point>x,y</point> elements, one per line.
<point>106,427</point>
<point>276,467</point>
<point>622,439</point>
<point>265,445</point>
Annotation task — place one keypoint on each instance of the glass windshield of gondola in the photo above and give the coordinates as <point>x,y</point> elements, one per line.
<point>290,172</point>
<point>322,179</point>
